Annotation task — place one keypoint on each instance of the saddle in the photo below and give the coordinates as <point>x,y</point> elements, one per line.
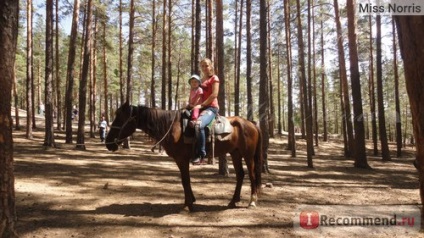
<point>220,129</point>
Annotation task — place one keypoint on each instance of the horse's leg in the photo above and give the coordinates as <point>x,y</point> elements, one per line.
<point>189,198</point>
<point>238,167</point>
<point>254,190</point>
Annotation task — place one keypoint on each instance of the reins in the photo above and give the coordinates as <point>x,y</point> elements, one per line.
<point>132,118</point>
<point>169,130</point>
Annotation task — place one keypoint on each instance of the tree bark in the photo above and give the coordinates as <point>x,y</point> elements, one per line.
<point>360,155</point>
<point>324,108</point>
<point>16,101</point>
<point>380,100</point>
<point>249,60</point>
<point>29,73</point>
<point>306,104</point>
<point>291,145</point>
<point>58,79</point>
<point>372,94</point>
<point>344,83</point>
<point>84,77</point>
<point>271,117</point>
<point>105,76</point>
<point>70,72</point>
<point>398,115</point>
<point>197,35</point>
<point>93,81</point>
<point>9,14</point>
<point>279,92</point>
<point>164,38</point>
<point>263,83</point>
<point>237,60</point>
<point>411,46</point>
<point>121,55</point>
<point>154,30</point>
<point>220,71</point>
<point>169,61</point>
<point>48,101</point>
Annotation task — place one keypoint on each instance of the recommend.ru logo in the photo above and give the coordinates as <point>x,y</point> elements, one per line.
<point>357,219</point>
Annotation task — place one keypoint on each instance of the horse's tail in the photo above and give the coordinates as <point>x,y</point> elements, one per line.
<point>258,159</point>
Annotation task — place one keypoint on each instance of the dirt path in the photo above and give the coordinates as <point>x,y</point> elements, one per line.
<point>136,193</point>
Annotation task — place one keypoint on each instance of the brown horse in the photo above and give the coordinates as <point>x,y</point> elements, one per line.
<point>166,126</point>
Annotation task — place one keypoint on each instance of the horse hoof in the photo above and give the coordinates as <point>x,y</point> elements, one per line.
<point>187,209</point>
<point>252,205</point>
<point>232,205</point>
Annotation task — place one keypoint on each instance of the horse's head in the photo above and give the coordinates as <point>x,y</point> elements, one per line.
<point>124,124</point>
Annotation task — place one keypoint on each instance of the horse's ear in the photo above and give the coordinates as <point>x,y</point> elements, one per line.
<point>126,104</point>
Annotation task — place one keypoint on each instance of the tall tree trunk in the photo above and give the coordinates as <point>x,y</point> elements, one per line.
<point>291,145</point>
<point>128,97</point>
<point>177,88</point>
<point>372,93</point>
<point>360,155</point>
<point>263,85</point>
<point>127,144</point>
<point>249,60</point>
<point>58,79</point>
<point>381,117</point>
<point>154,30</point>
<point>93,79</point>
<point>164,38</point>
<point>220,71</point>
<point>84,77</point>
<point>193,36</point>
<point>324,108</point>
<point>279,91</point>
<point>70,72</point>
<point>209,30</point>
<point>271,117</point>
<point>169,62</point>
<point>105,76</point>
<point>49,130</point>
<point>343,80</point>
<point>29,73</point>
<point>343,121</point>
<point>314,76</point>
<point>306,105</point>
<point>396,74</point>
<point>197,35</point>
<point>16,101</point>
<point>9,12</point>
<point>237,60</point>
<point>121,55</point>
<point>411,46</point>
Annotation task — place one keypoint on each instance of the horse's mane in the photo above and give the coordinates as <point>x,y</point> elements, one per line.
<point>156,122</point>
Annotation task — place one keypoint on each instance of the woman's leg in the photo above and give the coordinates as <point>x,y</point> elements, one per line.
<point>205,118</point>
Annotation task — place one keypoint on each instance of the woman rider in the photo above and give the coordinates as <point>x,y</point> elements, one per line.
<point>209,108</point>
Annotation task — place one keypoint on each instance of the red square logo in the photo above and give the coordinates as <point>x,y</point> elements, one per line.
<point>309,219</point>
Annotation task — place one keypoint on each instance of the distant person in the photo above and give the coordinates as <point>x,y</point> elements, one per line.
<point>102,129</point>
<point>41,109</point>
<point>74,112</point>
<point>195,98</point>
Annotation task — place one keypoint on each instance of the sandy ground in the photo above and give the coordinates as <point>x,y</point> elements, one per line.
<point>65,192</point>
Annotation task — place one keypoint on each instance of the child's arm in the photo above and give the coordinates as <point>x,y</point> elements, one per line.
<point>198,100</point>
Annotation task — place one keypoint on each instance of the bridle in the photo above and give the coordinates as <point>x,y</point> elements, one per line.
<point>134,120</point>
<point>131,119</point>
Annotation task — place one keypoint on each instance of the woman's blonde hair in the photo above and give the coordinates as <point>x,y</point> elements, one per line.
<point>209,62</point>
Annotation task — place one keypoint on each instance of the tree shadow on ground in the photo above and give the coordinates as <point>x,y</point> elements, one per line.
<point>144,188</point>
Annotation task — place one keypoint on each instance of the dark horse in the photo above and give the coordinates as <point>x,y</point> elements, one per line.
<point>166,126</point>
